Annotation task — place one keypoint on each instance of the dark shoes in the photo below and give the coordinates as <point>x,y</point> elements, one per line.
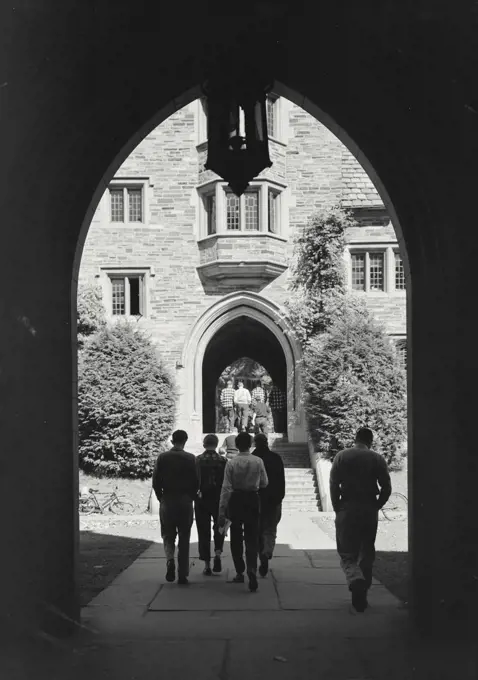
<point>264,566</point>
<point>170,571</point>
<point>359,595</point>
<point>238,578</point>
<point>217,566</point>
<point>252,581</point>
<point>207,571</point>
<point>183,581</point>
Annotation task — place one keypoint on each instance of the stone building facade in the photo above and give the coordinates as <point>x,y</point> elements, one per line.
<point>207,273</point>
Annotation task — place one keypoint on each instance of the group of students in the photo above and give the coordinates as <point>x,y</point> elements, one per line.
<point>246,409</point>
<point>246,490</point>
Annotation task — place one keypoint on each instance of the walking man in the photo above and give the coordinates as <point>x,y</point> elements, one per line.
<point>242,400</point>
<point>262,412</point>
<point>271,498</point>
<point>211,475</point>
<point>176,483</point>
<point>355,478</point>
<point>227,403</point>
<point>277,402</point>
<point>244,476</point>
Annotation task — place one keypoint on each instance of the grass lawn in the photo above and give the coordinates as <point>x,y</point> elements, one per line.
<point>102,558</point>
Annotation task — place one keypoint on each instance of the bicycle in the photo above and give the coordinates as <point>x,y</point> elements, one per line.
<point>90,503</point>
<point>396,507</point>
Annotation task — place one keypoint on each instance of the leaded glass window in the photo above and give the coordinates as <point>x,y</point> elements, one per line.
<point>251,208</point>
<point>232,207</point>
<point>358,271</point>
<point>117,205</point>
<point>135,201</point>
<point>376,271</point>
<point>399,273</point>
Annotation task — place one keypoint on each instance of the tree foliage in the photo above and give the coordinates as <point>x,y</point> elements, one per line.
<point>90,312</point>
<point>352,379</point>
<point>126,403</point>
<point>352,376</point>
<point>318,277</point>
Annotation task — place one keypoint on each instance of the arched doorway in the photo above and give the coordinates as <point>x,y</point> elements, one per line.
<point>242,336</point>
<point>264,322</point>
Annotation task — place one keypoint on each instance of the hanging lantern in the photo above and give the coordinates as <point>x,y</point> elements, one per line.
<point>238,142</point>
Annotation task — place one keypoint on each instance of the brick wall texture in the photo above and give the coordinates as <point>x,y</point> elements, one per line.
<point>312,163</point>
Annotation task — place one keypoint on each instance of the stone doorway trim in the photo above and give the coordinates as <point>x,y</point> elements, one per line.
<point>231,307</point>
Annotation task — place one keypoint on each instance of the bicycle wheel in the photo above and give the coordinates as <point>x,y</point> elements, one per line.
<point>122,507</point>
<point>396,507</point>
<point>86,506</point>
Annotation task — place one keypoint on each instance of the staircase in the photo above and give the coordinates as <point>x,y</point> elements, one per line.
<point>301,492</point>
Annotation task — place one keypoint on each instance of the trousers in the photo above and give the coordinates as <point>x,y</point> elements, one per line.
<point>280,424</point>
<point>243,511</point>
<point>205,510</point>
<point>176,519</point>
<point>261,425</point>
<point>269,519</point>
<point>228,413</point>
<point>356,530</point>
<point>243,416</point>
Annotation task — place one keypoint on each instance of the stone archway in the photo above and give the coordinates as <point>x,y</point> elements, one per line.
<point>232,307</point>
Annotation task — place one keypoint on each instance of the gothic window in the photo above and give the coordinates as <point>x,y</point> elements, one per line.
<point>271,109</point>
<point>273,199</point>
<point>127,295</point>
<point>126,203</point>
<point>233,211</point>
<point>368,271</point>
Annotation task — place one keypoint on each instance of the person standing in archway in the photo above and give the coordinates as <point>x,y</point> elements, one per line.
<point>242,400</point>
<point>258,394</point>
<point>211,476</point>
<point>243,477</point>
<point>176,483</point>
<point>227,403</point>
<point>356,476</point>
<point>262,412</point>
<point>277,402</point>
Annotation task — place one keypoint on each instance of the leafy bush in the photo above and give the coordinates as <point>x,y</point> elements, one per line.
<point>90,313</point>
<point>126,403</point>
<point>353,378</point>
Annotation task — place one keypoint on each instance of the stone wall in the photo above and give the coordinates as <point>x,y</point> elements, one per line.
<point>317,170</point>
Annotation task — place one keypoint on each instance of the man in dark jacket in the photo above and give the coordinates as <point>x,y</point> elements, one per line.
<point>176,483</point>
<point>211,475</point>
<point>262,412</point>
<point>271,500</point>
<point>359,486</point>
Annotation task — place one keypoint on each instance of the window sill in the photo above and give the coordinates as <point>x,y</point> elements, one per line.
<point>242,234</point>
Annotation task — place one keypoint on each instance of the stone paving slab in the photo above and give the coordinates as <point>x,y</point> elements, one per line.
<point>325,576</point>
<point>313,596</point>
<point>215,594</point>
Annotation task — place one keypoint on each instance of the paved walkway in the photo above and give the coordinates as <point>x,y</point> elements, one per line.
<point>299,625</point>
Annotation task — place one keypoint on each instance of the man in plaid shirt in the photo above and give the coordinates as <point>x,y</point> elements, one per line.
<point>277,402</point>
<point>258,394</point>
<point>227,403</point>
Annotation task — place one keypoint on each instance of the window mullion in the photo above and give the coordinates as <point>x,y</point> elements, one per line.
<point>125,205</point>
<point>220,209</point>
<point>367,271</point>
<point>264,207</point>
